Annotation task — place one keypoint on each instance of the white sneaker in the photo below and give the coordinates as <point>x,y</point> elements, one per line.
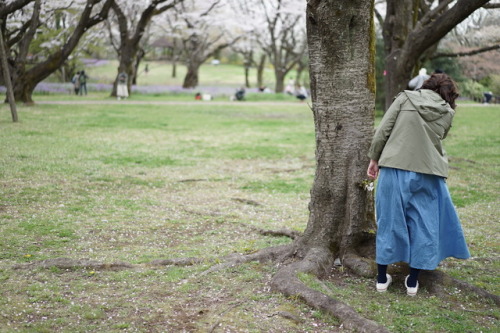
<point>411,291</point>
<point>382,287</point>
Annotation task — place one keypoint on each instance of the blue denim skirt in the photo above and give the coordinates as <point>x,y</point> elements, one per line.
<point>416,220</point>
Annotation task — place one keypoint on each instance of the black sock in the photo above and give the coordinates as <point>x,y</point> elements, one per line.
<point>412,279</point>
<point>382,271</point>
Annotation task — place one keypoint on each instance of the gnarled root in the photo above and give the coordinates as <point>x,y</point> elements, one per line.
<point>359,265</point>
<point>267,254</point>
<point>317,262</point>
<point>434,281</point>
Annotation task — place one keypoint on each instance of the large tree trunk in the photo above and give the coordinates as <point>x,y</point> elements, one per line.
<point>343,96</point>
<point>23,88</point>
<point>341,42</point>
<point>407,35</point>
<point>191,79</point>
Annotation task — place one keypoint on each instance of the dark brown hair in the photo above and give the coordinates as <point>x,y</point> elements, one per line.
<point>444,86</point>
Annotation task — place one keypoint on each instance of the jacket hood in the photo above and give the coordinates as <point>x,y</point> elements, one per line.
<point>428,104</point>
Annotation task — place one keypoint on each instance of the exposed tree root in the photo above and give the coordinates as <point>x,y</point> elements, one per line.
<point>268,254</point>
<point>317,262</point>
<point>279,233</point>
<point>434,281</point>
<point>247,201</point>
<point>177,262</point>
<point>361,266</point>
<point>288,315</point>
<point>67,263</point>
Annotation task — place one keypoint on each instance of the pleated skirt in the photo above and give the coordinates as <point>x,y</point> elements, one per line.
<point>121,90</point>
<point>416,220</point>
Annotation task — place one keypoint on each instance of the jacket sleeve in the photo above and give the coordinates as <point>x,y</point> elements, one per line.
<point>385,128</point>
<point>446,130</point>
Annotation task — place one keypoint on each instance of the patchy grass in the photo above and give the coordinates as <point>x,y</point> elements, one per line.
<point>135,183</point>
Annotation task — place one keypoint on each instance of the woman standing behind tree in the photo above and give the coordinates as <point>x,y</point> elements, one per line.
<point>76,82</point>
<point>417,222</point>
<point>121,88</point>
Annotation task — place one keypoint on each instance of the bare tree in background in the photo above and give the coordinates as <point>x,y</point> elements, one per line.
<point>282,35</point>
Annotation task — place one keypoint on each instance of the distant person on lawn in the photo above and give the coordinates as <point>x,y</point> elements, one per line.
<point>416,220</point>
<point>76,82</point>
<point>83,82</point>
<point>121,87</point>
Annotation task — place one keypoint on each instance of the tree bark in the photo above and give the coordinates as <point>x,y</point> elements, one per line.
<point>174,68</point>
<point>341,40</point>
<point>260,71</point>
<point>279,75</point>
<point>138,59</point>
<point>407,36</point>
<point>6,76</point>
<point>247,76</point>
<point>191,79</point>
<point>343,95</point>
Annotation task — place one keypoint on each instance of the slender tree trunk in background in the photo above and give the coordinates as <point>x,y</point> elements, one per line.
<point>6,76</point>
<point>260,71</point>
<point>300,69</point>
<point>174,68</point>
<point>139,57</point>
<point>247,79</point>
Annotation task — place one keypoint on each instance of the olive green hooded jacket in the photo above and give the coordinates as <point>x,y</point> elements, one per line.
<point>411,133</point>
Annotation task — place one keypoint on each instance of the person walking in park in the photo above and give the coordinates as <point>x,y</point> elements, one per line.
<point>83,82</point>
<point>416,220</point>
<point>76,82</point>
<point>121,88</point>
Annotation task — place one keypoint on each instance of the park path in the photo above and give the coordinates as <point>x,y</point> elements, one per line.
<point>259,103</point>
<point>124,102</point>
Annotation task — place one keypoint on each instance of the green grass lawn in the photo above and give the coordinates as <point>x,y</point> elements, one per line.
<point>139,182</point>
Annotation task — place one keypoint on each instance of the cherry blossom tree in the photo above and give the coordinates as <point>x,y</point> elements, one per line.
<point>248,46</point>
<point>202,28</point>
<point>20,29</point>
<point>127,25</point>
<point>281,34</point>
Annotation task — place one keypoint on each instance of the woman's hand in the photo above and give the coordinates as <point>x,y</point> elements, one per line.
<point>372,171</point>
